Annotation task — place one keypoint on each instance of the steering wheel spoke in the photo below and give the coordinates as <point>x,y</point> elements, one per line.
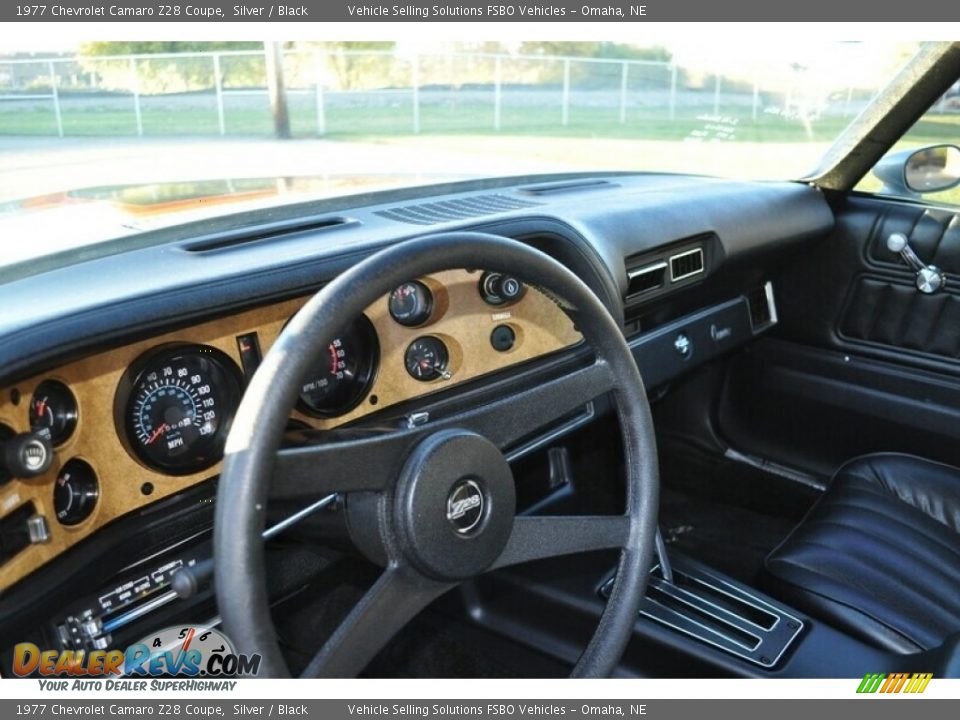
<point>508,421</point>
<point>364,464</point>
<point>316,470</point>
<point>397,596</point>
<point>542,537</point>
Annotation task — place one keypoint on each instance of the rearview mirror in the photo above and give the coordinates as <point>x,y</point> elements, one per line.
<point>933,169</point>
<point>912,173</point>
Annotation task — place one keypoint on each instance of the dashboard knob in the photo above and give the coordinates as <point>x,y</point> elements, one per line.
<point>497,288</point>
<point>510,288</point>
<point>503,338</point>
<point>26,455</point>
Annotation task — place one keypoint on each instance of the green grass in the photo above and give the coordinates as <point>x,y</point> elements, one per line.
<point>446,118</point>
<point>443,118</point>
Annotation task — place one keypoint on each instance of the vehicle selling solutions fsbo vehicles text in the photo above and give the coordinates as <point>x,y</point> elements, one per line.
<point>493,11</point>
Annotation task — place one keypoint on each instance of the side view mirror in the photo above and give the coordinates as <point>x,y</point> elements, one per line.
<point>913,173</point>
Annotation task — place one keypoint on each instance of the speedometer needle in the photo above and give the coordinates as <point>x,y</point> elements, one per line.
<point>157,433</point>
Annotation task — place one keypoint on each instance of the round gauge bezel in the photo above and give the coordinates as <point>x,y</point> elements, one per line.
<point>365,331</point>
<point>88,511</point>
<point>438,370</point>
<point>430,305</point>
<point>231,391</point>
<point>73,416</point>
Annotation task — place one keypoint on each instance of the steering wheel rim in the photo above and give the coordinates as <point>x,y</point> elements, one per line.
<point>416,571</point>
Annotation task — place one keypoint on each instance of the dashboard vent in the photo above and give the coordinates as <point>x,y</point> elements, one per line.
<point>763,311</point>
<point>567,186</point>
<point>686,264</point>
<point>644,279</point>
<point>283,228</point>
<point>445,210</point>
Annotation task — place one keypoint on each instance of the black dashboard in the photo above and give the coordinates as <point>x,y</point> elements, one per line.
<point>107,368</point>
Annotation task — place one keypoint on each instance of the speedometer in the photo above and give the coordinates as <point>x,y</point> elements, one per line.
<point>175,406</point>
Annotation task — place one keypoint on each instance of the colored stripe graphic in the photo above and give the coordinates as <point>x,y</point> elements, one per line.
<point>871,683</point>
<point>894,683</point>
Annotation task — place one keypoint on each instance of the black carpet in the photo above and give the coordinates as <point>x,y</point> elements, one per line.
<point>730,538</point>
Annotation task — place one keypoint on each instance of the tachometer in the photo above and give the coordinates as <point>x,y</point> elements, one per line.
<point>344,374</point>
<point>176,405</point>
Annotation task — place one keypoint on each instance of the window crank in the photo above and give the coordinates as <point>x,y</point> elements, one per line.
<point>930,278</point>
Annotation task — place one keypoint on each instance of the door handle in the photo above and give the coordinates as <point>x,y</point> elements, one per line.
<point>929,278</point>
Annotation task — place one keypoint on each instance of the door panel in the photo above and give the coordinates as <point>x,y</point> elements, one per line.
<point>813,409</point>
<point>861,361</point>
<point>893,314</point>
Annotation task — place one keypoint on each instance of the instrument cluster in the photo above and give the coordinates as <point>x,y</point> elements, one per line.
<point>112,432</point>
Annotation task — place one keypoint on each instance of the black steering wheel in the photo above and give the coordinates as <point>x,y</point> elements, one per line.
<point>406,488</point>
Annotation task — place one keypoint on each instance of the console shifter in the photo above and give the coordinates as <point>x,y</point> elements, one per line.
<point>929,278</point>
<point>666,570</point>
<point>704,606</point>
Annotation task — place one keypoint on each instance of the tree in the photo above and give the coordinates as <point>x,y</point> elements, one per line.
<point>273,52</point>
<point>171,74</point>
<point>356,65</point>
<point>149,47</point>
<point>609,50</point>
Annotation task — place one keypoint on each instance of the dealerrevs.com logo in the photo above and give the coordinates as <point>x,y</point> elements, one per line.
<point>176,651</point>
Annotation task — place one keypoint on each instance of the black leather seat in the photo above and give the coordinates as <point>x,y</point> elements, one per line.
<point>878,555</point>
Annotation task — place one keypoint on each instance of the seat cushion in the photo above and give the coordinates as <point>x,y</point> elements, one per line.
<point>878,555</point>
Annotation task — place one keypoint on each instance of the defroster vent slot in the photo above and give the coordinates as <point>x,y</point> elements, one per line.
<point>245,236</point>
<point>442,211</point>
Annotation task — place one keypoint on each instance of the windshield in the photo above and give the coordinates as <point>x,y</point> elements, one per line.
<point>110,139</point>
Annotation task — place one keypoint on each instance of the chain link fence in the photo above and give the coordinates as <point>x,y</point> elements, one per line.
<point>382,93</point>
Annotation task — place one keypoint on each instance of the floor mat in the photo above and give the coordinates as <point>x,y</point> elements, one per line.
<point>729,538</point>
<point>437,646</point>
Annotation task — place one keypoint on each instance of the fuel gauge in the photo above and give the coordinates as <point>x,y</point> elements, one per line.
<point>411,304</point>
<point>53,411</point>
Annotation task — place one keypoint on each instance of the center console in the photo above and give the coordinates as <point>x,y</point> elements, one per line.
<point>693,622</point>
<point>717,612</point>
